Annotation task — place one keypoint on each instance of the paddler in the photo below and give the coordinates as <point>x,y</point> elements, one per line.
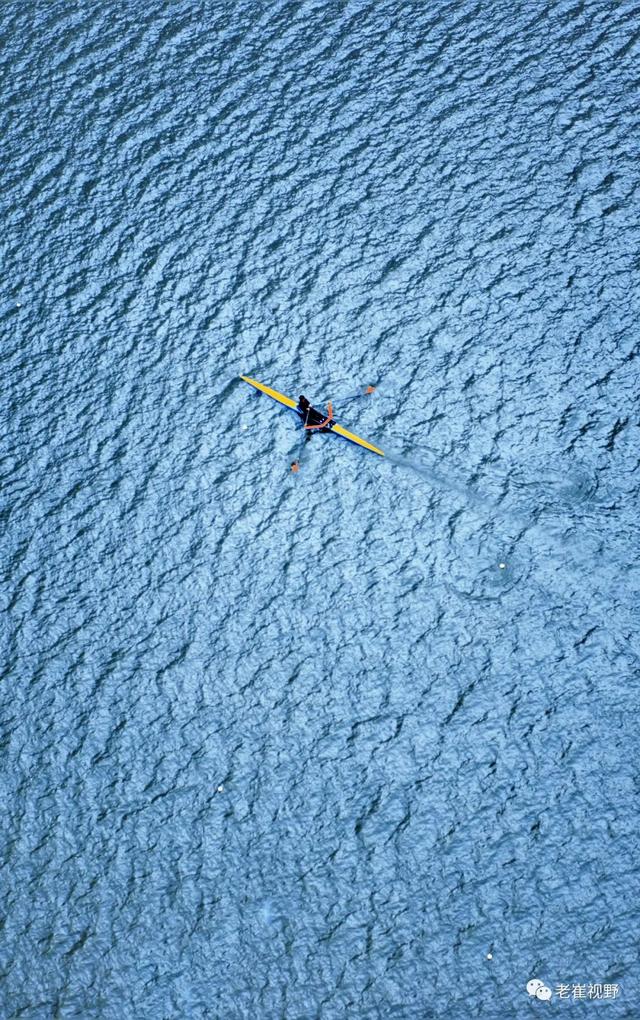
<point>304,407</point>
<point>311,418</point>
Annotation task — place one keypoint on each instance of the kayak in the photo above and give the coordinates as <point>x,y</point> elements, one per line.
<point>333,427</point>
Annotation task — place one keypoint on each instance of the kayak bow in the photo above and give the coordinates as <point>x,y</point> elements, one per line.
<point>288,402</point>
<point>280,397</point>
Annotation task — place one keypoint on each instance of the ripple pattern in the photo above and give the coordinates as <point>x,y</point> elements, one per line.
<point>361,741</point>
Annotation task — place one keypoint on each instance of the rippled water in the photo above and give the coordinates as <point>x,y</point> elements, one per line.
<point>297,745</point>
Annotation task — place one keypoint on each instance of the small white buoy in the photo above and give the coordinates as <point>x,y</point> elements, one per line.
<point>489,956</point>
<point>502,565</point>
<point>220,788</point>
<point>19,305</point>
<point>244,427</point>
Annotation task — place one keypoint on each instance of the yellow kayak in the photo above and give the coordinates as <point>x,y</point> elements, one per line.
<point>288,402</point>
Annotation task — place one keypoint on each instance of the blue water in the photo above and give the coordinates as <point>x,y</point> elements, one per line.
<point>297,746</point>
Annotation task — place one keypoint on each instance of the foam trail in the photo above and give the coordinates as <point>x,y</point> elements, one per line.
<point>438,480</point>
<point>473,497</point>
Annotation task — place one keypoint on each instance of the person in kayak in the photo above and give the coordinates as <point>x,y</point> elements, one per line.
<point>312,419</point>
